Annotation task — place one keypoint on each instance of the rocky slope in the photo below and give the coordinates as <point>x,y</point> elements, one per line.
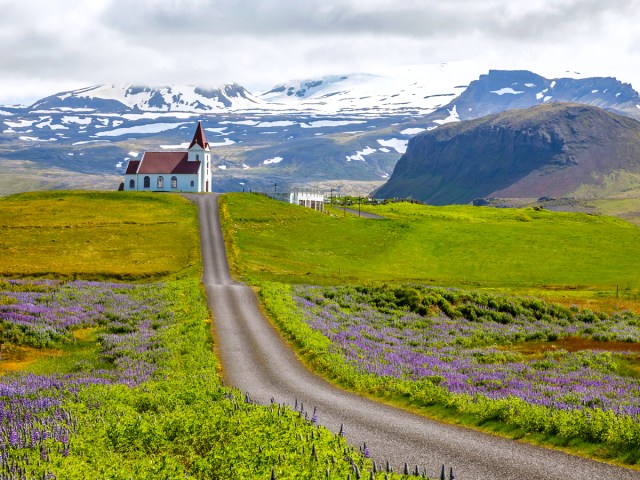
<point>547,150</point>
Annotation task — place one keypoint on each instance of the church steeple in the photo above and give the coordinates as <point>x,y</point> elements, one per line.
<point>199,138</point>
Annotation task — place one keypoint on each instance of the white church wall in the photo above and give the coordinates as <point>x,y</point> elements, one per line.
<point>182,183</point>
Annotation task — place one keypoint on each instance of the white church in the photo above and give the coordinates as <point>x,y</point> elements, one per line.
<point>188,171</point>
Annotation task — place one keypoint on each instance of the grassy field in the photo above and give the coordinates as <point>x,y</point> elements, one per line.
<point>581,258</point>
<point>97,235</point>
<point>134,390</point>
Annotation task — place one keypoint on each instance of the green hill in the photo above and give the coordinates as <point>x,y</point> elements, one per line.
<point>454,245</point>
<point>555,149</point>
<point>97,235</point>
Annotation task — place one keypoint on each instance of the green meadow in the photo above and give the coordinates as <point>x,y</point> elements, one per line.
<point>576,256</point>
<point>180,421</point>
<point>97,235</point>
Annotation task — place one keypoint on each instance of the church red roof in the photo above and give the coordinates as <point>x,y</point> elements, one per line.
<point>132,167</point>
<point>167,162</point>
<point>199,137</point>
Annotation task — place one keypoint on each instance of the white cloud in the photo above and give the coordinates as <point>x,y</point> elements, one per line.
<point>54,46</point>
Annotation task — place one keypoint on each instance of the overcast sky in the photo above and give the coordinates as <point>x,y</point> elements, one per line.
<point>49,46</point>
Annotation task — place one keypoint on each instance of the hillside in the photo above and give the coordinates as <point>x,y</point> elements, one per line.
<point>568,255</point>
<point>547,150</point>
<point>97,235</point>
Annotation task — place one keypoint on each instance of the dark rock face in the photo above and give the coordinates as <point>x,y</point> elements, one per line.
<point>549,149</point>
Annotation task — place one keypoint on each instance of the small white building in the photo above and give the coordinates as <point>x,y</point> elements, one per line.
<point>188,171</point>
<point>304,198</point>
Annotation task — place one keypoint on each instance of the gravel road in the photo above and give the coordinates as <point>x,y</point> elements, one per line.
<point>256,360</point>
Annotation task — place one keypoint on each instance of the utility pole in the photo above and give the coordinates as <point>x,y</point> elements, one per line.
<point>331,198</point>
<point>359,200</point>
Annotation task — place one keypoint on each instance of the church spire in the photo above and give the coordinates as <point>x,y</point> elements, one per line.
<point>199,138</point>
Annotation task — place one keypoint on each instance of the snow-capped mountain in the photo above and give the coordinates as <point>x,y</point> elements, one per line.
<point>122,98</point>
<point>415,90</point>
<point>501,90</point>
<point>418,89</point>
<point>338,127</point>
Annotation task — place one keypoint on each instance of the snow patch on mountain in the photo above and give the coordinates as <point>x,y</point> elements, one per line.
<point>417,88</point>
<point>507,90</point>
<point>453,117</point>
<point>148,128</point>
<point>330,123</point>
<point>412,131</point>
<point>249,123</point>
<point>360,154</point>
<point>48,122</point>
<point>180,146</point>
<point>272,161</point>
<point>27,138</point>
<point>178,98</point>
<point>277,123</point>
<point>227,141</point>
<point>20,123</point>
<point>397,144</point>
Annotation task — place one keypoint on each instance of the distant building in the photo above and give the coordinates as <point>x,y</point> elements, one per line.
<point>188,171</point>
<point>302,197</point>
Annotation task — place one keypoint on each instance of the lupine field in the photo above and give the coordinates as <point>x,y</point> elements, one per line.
<point>496,358</point>
<point>150,404</point>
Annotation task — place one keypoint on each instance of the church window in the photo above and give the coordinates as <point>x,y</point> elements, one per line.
<point>132,183</point>
<point>174,182</point>
<point>193,184</point>
<point>147,182</point>
<point>197,158</point>
<point>160,182</point>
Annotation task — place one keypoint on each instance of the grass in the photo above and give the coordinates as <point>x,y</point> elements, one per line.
<point>626,207</point>
<point>82,354</point>
<point>577,257</point>
<point>97,235</point>
<point>182,422</point>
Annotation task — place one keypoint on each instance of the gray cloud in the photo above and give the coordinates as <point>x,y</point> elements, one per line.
<point>417,19</point>
<point>268,41</point>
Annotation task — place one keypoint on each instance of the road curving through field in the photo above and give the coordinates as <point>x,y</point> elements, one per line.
<point>257,360</point>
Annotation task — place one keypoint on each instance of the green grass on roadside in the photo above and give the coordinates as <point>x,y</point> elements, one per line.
<point>504,249</point>
<point>510,416</point>
<point>81,355</point>
<point>181,422</point>
<point>97,235</point>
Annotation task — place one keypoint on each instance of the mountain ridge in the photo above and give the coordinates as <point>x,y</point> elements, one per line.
<point>337,128</point>
<point>546,150</point>
<point>495,91</point>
